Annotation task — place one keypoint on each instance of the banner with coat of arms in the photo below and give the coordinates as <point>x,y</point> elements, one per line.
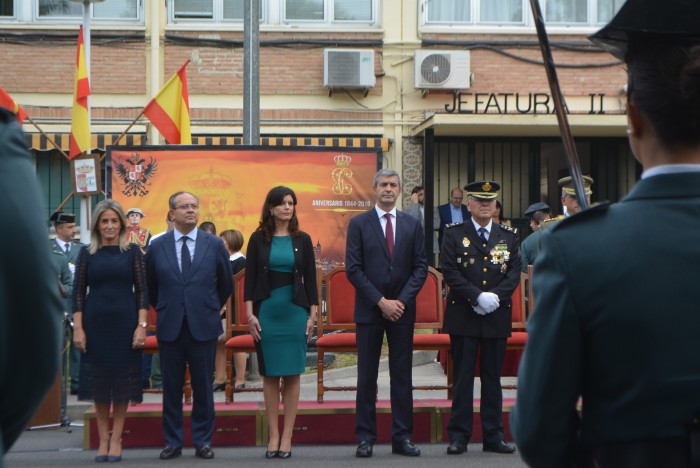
<point>331,185</point>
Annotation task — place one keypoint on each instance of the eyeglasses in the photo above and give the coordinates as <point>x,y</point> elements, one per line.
<point>186,206</point>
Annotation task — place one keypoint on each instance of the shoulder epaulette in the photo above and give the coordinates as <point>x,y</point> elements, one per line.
<point>505,227</point>
<point>585,214</point>
<point>453,225</point>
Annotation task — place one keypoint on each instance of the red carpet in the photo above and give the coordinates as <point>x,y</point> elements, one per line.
<point>332,422</point>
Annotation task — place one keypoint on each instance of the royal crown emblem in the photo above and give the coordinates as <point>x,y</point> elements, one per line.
<point>486,187</point>
<point>342,160</point>
<point>341,175</point>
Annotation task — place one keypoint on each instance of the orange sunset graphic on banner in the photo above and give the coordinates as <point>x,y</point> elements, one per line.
<point>331,185</point>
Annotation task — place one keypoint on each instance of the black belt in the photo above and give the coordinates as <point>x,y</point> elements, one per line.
<point>278,279</point>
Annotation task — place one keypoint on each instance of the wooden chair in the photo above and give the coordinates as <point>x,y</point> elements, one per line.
<point>237,321</point>
<point>340,304</point>
<point>151,347</point>
<point>429,315</point>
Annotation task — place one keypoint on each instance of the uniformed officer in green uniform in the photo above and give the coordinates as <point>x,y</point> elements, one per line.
<point>30,310</point>
<point>617,315</point>
<point>65,245</point>
<point>538,213</point>
<point>481,265</point>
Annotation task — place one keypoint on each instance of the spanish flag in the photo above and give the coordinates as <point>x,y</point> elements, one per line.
<point>169,111</point>
<point>8,103</point>
<point>80,124</point>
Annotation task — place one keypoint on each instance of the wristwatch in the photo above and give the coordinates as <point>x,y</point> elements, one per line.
<point>143,324</point>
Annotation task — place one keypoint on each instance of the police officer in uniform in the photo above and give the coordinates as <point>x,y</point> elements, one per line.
<point>538,213</point>
<point>64,245</point>
<point>481,265</point>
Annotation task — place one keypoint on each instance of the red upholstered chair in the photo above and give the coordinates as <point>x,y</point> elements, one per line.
<point>237,321</point>
<point>429,315</point>
<point>515,345</point>
<point>340,303</point>
<point>151,347</point>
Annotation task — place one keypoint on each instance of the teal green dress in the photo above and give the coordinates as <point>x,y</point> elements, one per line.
<point>283,323</point>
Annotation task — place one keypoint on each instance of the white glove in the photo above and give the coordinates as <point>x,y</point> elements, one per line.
<point>488,301</point>
<point>480,310</point>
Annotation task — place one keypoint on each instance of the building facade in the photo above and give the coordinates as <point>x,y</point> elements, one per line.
<point>458,83</point>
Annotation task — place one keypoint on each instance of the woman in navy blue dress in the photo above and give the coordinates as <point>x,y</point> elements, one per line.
<point>110,312</point>
<point>281,301</point>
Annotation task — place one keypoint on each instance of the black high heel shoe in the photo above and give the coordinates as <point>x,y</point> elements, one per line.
<point>281,454</point>
<point>272,453</point>
<point>220,387</point>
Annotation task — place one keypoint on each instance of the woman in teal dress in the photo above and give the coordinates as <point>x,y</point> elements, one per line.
<point>281,302</point>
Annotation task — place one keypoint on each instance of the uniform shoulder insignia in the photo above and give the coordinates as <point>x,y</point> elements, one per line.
<point>453,225</point>
<point>551,220</point>
<point>583,215</point>
<point>505,227</point>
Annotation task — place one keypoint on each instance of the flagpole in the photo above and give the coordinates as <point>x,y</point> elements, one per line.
<point>116,143</point>
<point>85,205</point>
<point>48,138</point>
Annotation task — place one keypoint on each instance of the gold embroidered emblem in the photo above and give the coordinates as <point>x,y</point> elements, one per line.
<point>465,242</point>
<point>486,187</point>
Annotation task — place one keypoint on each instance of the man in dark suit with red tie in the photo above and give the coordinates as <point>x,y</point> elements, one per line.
<point>189,281</point>
<point>386,263</point>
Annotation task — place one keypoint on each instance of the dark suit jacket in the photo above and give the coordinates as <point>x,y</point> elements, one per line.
<point>201,296</point>
<point>470,269</point>
<point>616,323</point>
<point>257,285</point>
<point>445,213</point>
<point>374,275</point>
<point>30,308</point>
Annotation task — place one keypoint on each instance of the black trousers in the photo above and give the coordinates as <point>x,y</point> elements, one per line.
<point>369,345</point>
<point>464,352</point>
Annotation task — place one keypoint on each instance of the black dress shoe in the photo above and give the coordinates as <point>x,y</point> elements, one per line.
<point>364,450</point>
<point>220,387</point>
<point>204,452</point>
<point>285,455</point>
<point>500,447</point>
<point>405,447</point>
<point>456,448</point>
<point>170,452</point>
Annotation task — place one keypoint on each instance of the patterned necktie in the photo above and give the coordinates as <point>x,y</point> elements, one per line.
<point>186,259</point>
<point>389,235</point>
<point>482,235</point>
<point>67,247</point>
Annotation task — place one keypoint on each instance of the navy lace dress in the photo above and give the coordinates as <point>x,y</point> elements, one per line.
<point>109,288</point>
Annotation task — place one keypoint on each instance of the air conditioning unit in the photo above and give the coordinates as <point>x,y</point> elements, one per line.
<point>348,68</point>
<point>442,69</point>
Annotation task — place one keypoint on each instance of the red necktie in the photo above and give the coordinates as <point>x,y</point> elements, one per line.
<point>389,235</point>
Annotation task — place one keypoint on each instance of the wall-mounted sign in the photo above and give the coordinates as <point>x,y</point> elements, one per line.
<point>513,103</point>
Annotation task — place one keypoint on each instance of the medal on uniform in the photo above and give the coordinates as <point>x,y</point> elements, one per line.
<point>500,254</point>
<point>465,242</point>
<point>504,268</point>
